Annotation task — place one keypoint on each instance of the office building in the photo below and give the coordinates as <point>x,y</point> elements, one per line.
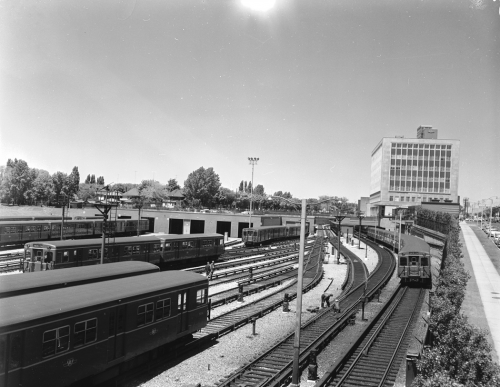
<point>408,171</point>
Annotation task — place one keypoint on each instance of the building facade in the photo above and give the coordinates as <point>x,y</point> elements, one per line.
<point>408,171</point>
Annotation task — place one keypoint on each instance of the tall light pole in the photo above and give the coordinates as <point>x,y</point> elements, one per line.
<point>298,314</point>
<point>253,161</point>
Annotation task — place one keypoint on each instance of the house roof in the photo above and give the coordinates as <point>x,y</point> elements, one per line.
<point>132,193</point>
<point>178,193</point>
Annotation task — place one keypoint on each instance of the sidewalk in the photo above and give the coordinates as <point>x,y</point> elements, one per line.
<point>483,288</point>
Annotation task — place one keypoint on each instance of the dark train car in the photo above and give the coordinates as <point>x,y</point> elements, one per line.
<point>164,250</point>
<point>256,236</point>
<point>92,332</point>
<point>414,258</point>
<point>16,232</point>
<point>15,285</point>
<point>21,218</point>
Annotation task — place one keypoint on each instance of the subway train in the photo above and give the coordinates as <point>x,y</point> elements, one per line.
<point>168,251</point>
<point>93,332</point>
<point>16,285</point>
<point>414,257</point>
<point>257,236</point>
<point>19,232</point>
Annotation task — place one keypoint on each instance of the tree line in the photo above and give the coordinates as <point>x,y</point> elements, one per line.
<point>22,185</point>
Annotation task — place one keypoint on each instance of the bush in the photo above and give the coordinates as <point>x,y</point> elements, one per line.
<point>461,355</point>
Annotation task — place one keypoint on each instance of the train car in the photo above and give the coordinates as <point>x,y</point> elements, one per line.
<point>165,250</point>
<point>257,236</point>
<point>15,285</point>
<point>92,332</point>
<point>414,258</point>
<point>18,232</point>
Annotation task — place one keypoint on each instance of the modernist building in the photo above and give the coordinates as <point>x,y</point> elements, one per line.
<point>407,171</point>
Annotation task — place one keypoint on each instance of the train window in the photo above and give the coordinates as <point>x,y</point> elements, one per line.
<point>92,254</point>
<point>163,309</point>
<point>403,261</point>
<point>127,250</point>
<point>144,314</point>
<point>168,247</point>
<point>221,241</point>
<point>136,250</point>
<point>15,350</point>
<point>191,244</point>
<point>3,339</point>
<point>27,253</point>
<point>156,248</point>
<point>201,297</point>
<point>184,245</point>
<point>85,332</point>
<point>413,261</point>
<point>55,341</point>
<point>65,257</point>
<point>424,261</point>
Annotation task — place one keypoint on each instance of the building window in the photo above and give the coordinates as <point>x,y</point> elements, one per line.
<point>163,309</point>
<point>391,198</point>
<point>85,332</point>
<point>145,314</point>
<point>55,341</point>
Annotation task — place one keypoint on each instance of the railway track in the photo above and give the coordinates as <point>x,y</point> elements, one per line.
<point>274,367</point>
<point>239,317</point>
<point>375,358</point>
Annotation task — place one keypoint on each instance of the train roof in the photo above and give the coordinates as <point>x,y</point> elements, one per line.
<point>35,306</point>
<point>267,227</point>
<point>34,222</point>
<point>131,239</point>
<point>413,243</point>
<point>47,280</point>
<point>410,242</point>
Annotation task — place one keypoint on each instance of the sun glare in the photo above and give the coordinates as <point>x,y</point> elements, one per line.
<point>259,5</point>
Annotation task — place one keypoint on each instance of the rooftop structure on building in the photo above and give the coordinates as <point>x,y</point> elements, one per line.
<point>408,171</point>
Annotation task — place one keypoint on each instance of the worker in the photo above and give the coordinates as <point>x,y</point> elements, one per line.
<point>325,299</point>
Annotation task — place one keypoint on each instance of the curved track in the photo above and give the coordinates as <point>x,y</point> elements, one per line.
<point>274,367</point>
<point>375,358</point>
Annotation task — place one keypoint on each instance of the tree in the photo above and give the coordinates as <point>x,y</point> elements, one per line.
<point>152,191</point>
<point>249,188</point>
<point>92,179</point>
<point>100,180</point>
<point>87,180</point>
<point>42,187</point>
<point>240,189</point>
<point>202,185</point>
<point>245,187</point>
<point>259,190</point>
<point>17,180</point>
<point>60,184</point>
<point>74,181</point>
<point>172,185</point>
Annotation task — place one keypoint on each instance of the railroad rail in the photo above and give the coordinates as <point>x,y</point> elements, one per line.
<point>234,319</point>
<point>274,367</point>
<point>374,359</point>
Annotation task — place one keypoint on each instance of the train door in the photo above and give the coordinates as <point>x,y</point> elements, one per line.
<point>116,333</point>
<point>182,311</point>
<point>11,348</point>
<point>414,266</point>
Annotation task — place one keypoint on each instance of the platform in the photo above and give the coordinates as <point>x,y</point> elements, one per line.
<point>482,299</point>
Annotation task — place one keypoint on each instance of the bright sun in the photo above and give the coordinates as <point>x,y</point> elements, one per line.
<point>259,5</point>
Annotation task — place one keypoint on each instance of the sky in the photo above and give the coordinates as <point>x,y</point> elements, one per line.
<point>134,90</point>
